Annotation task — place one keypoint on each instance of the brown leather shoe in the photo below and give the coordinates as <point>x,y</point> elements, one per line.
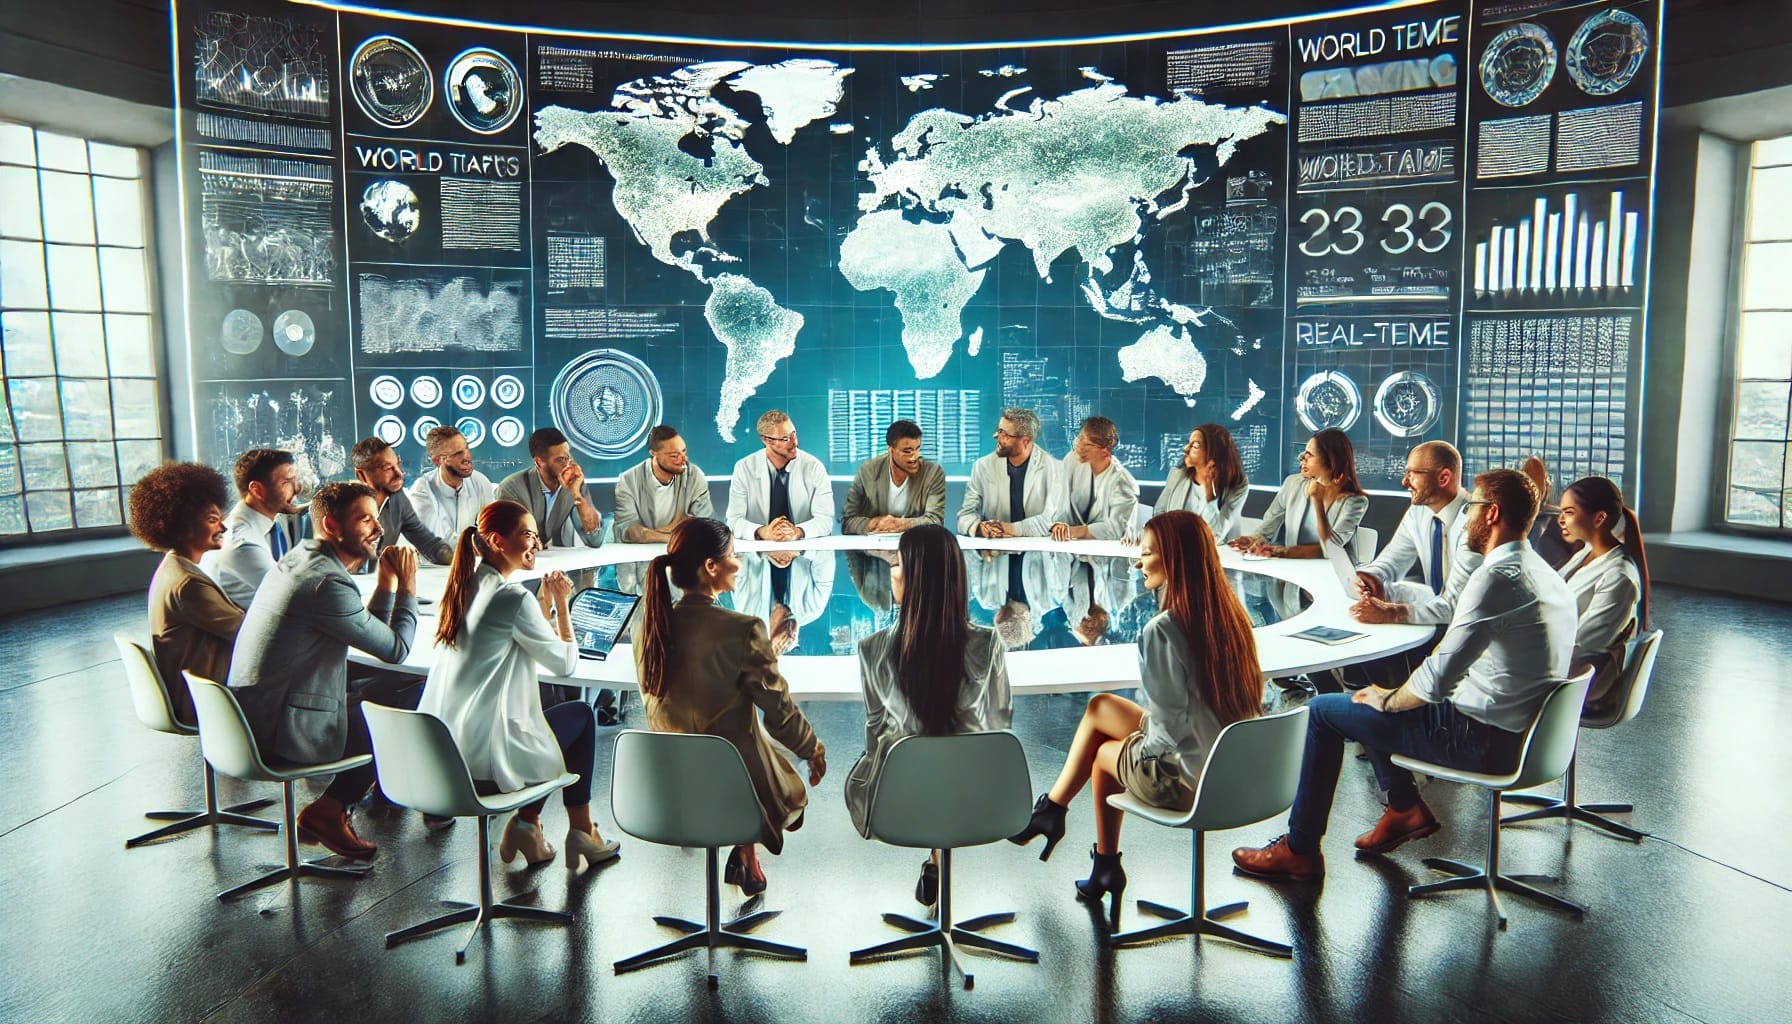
<point>333,831</point>
<point>1278,862</point>
<point>1397,827</point>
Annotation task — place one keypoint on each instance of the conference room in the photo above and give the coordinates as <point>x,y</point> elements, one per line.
<point>678,512</point>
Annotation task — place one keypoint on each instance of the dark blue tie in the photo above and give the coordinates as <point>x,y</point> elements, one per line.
<point>277,542</point>
<point>1437,555</point>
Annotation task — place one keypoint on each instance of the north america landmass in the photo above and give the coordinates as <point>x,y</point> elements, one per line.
<point>1085,172</point>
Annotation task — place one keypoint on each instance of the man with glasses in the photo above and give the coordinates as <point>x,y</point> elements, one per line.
<point>259,530</point>
<point>661,492</point>
<point>781,493</point>
<point>1016,490</point>
<point>1509,645</point>
<point>1432,541</point>
<point>897,490</point>
<point>448,498</point>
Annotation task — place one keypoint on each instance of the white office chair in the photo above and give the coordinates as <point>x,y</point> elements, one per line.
<point>230,747</point>
<point>692,790</point>
<point>1363,544</point>
<point>1548,749</point>
<point>941,793</point>
<point>420,767</point>
<point>1252,772</point>
<point>1626,700</point>
<point>149,697</point>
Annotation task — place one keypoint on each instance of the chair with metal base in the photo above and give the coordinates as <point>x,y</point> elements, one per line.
<point>940,793</point>
<point>229,746</point>
<point>1548,749</point>
<point>149,698</point>
<point>420,767</point>
<point>1252,772</point>
<point>691,790</point>
<point>1626,701</point>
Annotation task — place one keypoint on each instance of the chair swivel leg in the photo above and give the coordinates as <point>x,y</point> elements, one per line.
<point>1489,880</point>
<point>945,934</point>
<point>294,868</point>
<point>1572,810</point>
<point>487,909</point>
<point>1196,921</point>
<point>212,815</point>
<point>715,933</point>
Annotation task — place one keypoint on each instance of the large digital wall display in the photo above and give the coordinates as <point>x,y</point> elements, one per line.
<point>1414,221</point>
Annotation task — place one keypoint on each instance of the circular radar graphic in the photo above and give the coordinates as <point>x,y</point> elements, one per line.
<point>426,391</point>
<point>472,428</point>
<point>507,391</point>
<point>1407,404</point>
<point>1518,65</point>
<point>294,332</point>
<point>420,430</point>
<point>1606,52</point>
<point>484,91</point>
<point>391,210</point>
<point>241,333</point>
<point>1328,399</point>
<point>391,82</point>
<point>386,391</point>
<point>508,431</point>
<point>389,429</point>
<point>605,402</point>
<point>468,391</point>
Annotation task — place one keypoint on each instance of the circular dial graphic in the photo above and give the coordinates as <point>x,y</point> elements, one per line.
<point>1518,65</point>
<point>1407,404</point>
<point>391,81</point>
<point>484,91</point>
<point>605,402</point>
<point>1328,399</point>
<point>1606,52</point>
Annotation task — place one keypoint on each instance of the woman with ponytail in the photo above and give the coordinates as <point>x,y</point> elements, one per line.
<point>493,639</point>
<point>1609,578</point>
<point>933,673</point>
<point>704,669</point>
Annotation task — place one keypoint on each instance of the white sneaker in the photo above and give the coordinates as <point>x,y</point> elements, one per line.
<point>526,839</point>
<point>585,846</point>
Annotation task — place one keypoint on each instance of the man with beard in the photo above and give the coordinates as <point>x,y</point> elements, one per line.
<point>289,669</point>
<point>255,536</point>
<point>377,466</point>
<point>1433,540</point>
<point>552,488</point>
<point>448,498</point>
<point>661,492</point>
<point>1509,645</point>
<point>1016,491</point>
<point>897,490</point>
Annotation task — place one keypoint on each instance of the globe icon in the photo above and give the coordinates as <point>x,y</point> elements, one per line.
<point>390,209</point>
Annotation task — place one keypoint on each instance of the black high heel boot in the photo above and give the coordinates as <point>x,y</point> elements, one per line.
<point>1048,821</point>
<point>1107,876</point>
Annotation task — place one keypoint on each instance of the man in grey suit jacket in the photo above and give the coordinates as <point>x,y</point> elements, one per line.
<point>289,669</point>
<point>898,489</point>
<point>553,490</point>
<point>1100,496</point>
<point>377,466</point>
<point>1017,469</point>
<point>661,492</point>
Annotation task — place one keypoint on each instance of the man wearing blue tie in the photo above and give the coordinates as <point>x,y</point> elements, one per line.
<point>255,536</point>
<point>1425,564</point>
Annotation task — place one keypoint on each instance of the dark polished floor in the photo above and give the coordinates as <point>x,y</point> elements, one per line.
<point>1693,925</point>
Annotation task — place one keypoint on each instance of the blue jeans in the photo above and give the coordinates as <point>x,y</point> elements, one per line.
<point>1433,732</point>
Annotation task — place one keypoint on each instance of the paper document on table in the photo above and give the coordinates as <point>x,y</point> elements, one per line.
<point>1345,569</point>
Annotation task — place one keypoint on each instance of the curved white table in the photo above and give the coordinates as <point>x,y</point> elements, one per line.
<point>1063,670</point>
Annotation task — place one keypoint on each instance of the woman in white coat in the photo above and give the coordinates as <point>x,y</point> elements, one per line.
<point>493,637</point>
<point>1609,578</point>
<point>1322,502</point>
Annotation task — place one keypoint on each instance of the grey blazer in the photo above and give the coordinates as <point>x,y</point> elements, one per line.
<point>1116,499</point>
<point>1182,493</point>
<point>289,669</point>
<point>634,497</point>
<point>399,518</point>
<point>984,704</point>
<point>1291,508</point>
<point>869,495</point>
<point>524,488</point>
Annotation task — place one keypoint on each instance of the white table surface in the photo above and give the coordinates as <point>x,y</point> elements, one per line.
<point>1063,670</point>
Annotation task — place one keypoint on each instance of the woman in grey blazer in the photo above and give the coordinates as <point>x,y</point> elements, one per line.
<point>1322,502</point>
<point>933,673</point>
<point>1211,482</point>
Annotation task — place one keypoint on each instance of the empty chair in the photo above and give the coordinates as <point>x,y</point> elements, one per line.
<point>230,747</point>
<point>1251,773</point>
<point>691,789</point>
<point>1626,700</point>
<point>1547,752</point>
<point>941,793</point>
<point>420,767</point>
<point>149,696</point>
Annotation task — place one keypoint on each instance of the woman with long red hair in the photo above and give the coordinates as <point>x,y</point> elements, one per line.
<point>1198,667</point>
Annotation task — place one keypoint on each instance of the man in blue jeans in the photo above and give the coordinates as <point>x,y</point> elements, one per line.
<point>1507,647</point>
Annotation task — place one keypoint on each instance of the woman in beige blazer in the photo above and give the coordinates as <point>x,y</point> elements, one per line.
<point>703,669</point>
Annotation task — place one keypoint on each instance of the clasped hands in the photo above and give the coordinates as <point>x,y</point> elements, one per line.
<point>780,528</point>
<point>886,524</point>
<point>397,569</point>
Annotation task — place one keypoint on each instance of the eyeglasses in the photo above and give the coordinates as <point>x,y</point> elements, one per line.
<point>770,439</point>
<point>1479,501</point>
<point>1012,437</point>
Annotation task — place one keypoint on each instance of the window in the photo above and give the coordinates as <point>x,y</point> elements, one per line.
<point>80,412</point>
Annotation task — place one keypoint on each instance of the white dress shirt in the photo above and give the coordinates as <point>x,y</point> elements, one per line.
<point>486,687</point>
<point>986,495</point>
<point>448,510</point>
<point>1510,642</point>
<point>750,495</point>
<point>1410,547</point>
<point>246,556</point>
<point>1105,504</point>
<point>1606,590</point>
<point>1221,514</point>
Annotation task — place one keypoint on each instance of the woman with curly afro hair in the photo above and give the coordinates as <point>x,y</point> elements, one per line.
<point>178,508</point>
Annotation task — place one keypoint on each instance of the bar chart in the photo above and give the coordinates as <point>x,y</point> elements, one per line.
<point>1588,247</point>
